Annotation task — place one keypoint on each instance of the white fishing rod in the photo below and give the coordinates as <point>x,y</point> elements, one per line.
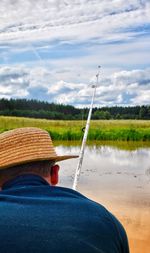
<point>78,169</point>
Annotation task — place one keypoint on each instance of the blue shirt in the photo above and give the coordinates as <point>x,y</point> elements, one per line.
<point>36,217</point>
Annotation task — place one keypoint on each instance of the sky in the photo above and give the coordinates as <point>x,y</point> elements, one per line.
<point>50,50</point>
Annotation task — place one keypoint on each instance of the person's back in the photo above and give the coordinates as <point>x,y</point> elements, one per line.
<point>36,217</point>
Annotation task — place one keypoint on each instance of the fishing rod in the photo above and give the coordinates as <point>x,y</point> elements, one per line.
<point>78,169</point>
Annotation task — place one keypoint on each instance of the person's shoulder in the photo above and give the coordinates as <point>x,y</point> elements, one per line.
<point>101,212</point>
<point>67,192</point>
<point>112,223</point>
<point>93,206</point>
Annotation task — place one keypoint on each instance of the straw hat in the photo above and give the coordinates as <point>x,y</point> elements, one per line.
<point>23,145</point>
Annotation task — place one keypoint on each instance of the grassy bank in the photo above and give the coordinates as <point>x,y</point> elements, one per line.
<point>125,130</point>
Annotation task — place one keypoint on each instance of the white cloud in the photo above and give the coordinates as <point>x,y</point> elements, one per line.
<point>59,45</point>
<point>119,88</point>
<point>13,82</point>
<point>39,20</point>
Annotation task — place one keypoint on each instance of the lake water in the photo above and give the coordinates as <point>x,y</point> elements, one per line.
<point>117,175</point>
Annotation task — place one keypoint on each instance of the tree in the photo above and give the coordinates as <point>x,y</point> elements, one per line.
<point>102,115</point>
<point>143,113</point>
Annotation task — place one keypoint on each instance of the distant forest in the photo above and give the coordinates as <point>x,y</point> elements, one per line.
<point>45,110</point>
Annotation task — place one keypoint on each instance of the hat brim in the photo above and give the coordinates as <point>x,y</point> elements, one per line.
<point>64,157</point>
<point>54,159</point>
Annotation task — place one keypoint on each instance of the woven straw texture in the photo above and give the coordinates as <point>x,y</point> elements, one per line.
<point>25,145</point>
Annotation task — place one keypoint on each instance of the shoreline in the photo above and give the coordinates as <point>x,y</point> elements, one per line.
<point>100,130</point>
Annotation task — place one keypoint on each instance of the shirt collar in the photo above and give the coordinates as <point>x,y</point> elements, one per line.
<point>24,180</point>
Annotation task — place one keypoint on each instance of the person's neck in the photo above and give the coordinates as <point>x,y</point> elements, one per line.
<point>46,178</point>
<point>24,179</point>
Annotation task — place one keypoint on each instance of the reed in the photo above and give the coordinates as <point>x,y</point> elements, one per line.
<point>125,130</point>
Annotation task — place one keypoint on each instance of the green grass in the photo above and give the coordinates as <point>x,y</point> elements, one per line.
<point>125,130</point>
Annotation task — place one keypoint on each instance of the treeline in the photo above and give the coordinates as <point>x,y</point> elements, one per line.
<point>45,110</point>
<point>120,112</point>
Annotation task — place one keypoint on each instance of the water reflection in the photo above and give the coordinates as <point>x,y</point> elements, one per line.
<point>120,180</point>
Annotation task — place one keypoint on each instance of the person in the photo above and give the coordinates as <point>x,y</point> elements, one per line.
<point>38,217</point>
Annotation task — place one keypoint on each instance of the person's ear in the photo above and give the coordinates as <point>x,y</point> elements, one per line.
<point>54,174</point>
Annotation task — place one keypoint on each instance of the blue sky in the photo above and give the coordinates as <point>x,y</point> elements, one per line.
<point>50,50</point>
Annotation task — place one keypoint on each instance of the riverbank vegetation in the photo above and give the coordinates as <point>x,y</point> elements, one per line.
<point>125,130</point>
<point>45,110</point>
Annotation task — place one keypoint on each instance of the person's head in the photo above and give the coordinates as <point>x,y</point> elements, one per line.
<point>28,150</point>
<point>46,169</point>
